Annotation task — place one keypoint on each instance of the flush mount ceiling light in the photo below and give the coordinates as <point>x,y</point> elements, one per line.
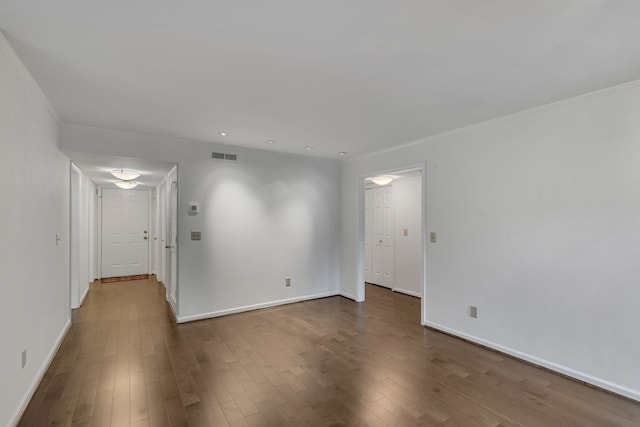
<point>126,185</point>
<point>222,133</point>
<point>308,147</point>
<point>343,153</point>
<point>271,141</point>
<point>124,174</point>
<point>382,179</point>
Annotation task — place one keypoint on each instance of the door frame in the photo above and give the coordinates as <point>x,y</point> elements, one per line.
<point>74,237</point>
<point>99,229</point>
<point>171,267</point>
<point>360,288</point>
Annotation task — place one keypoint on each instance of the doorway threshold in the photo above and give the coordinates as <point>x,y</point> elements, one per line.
<point>124,278</point>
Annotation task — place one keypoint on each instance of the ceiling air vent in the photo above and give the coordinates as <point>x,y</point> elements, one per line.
<point>224,156</point>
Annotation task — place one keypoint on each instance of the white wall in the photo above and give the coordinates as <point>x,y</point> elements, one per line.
<point>83,249</point>
<point>35,271</point>
<point>87,231</point>
<point>263,218</point>
<point>538,222</point>
<point>92,226</point>
<point>407,197</point>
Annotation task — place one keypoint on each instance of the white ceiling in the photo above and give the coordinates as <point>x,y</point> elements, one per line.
<point>357,76</point>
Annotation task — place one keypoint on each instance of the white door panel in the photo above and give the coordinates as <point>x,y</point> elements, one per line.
<point>382,236</point>
<point>368,249</point>
<point>125,232</point>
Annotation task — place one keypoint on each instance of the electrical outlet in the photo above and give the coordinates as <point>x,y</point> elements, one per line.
<point>287,281</point>
<point>24,358</point>
<point>473,311</point>
<point>405,232</point>
<point>196,235</point>
<point>432,237</point>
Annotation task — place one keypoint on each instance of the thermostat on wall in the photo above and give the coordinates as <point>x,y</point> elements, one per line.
<point>194,208</point>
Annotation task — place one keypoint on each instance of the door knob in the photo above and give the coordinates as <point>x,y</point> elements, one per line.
<point>145,237</point>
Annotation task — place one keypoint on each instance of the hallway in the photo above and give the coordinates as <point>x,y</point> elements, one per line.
<point>329,362</point>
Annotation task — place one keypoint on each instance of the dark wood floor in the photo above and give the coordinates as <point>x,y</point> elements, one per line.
<point>327,362</point>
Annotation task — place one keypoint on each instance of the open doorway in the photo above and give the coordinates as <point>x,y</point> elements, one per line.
<point>121,232</point>
<point>393,238</point>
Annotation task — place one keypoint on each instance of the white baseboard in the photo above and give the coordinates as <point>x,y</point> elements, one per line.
<point>346,295</point>
<point>173,304</point>
<point>36,381</point>
<point>408,292</point>
<point>86,292</point>
<point>581,376</point>
<point>242,309</point>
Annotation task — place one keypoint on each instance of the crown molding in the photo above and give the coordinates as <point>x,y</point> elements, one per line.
<point>529,111</point>
<point>7,50</point>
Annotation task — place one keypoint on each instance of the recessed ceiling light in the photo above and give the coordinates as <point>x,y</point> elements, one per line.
<point>308,147</point>
<point>124,174</point>
<point>271,141</point>
<point>223,133</point>
<point>343,153</point>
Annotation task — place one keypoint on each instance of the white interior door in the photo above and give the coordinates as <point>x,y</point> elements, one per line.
<point>388,249</point>
<point>125,232</point>
<point>382,246</point>
<point>368,251</point>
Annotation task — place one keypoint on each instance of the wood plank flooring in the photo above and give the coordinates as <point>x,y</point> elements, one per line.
<point>327,362</point>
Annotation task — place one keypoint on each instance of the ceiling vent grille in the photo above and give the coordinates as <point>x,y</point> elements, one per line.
<point>224,156</point>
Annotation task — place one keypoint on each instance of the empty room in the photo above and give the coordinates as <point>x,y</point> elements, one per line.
<point>320,213</point>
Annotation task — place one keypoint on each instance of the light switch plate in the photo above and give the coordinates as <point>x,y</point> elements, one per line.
<point>432,237</point>
<point>196,235</point>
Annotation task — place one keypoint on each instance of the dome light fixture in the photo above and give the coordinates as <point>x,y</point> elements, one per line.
<point>126,185</point>
<point>382,179</point>
<point>125,174</point>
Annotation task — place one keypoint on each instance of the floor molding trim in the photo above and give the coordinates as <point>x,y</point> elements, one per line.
<point>210,315</point>
<point>565,371</point>
<point>40,374</point>
<point>86,292</point>
<point>348,296</point>
<point>173,304</point>
<point>408,292</point>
